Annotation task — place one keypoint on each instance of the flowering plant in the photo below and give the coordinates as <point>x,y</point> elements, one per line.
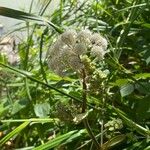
<point>71,48</point>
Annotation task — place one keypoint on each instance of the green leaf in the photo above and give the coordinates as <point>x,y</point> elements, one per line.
<point>114,141</point>
<point>42,110</point>
<point>4,108</point>
<point>147,148</point>
<point>18,105</point>
<point>142,108</point>
<point>25,148</point>
<point>32,120</point>
<point>126,89</point>
<point>134,126</point>
<point>120,82</point>
<point>142,76</point>
<point>16,14</point>
<point>143,87</point>
<point>70,136</point>
<point>14,132</point>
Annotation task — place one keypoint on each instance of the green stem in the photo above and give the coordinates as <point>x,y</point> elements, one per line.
<point>32,120</point>
<point>84,105</point>
<point>84,94</point>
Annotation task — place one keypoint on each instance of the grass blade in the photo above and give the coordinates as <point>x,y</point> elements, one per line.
<point>14,132</point>
<point>141,130</point>
<point>16,14</point>
<point>65,138</point>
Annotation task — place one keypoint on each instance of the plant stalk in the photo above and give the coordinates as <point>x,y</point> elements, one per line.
<point>84,105</point>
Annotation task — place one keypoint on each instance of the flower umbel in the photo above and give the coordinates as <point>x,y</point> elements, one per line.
<point>70,47</point>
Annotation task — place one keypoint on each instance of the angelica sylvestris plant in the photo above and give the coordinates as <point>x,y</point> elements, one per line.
<point>74,50</point>
<point>83,53</point>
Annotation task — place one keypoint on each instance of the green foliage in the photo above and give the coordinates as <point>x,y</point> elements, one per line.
<point>106,107</point>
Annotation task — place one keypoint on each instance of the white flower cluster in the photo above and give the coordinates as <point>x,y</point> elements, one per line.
<point>66,52</point>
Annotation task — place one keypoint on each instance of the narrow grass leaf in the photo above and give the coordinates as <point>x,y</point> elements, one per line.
<point>114,141</point>
<point>16,14</point>
<point>141,130</point>
<point>60,140</point>
<point>14,132</point>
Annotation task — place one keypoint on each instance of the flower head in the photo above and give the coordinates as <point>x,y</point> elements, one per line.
<point>97,39</point>
<point>84,36</point>
<point>98,52</point>
<point>69,37</point>
<point>69,48</point>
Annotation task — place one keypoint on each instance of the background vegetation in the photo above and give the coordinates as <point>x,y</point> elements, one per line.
<point>118,105</point>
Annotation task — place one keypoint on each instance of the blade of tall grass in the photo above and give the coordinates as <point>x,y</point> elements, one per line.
<point>35,120</point>
<point>14,132</point>
<point>127,73</point>
<point>61,140</point>
<point>40,55</point>
<point>114,141</point>
<point>45,6</point>
<point>16,14</point>
<point>133,6</point>
<point>124,32</point>
<point>141,130</point>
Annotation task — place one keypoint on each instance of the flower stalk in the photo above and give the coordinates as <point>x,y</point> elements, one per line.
<point>84,105</point>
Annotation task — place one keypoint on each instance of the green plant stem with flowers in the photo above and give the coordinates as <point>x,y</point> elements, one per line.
<point>77,51</point>
<point>84,105</point>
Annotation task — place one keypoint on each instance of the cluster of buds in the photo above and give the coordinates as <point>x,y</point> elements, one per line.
<point>70,114</point>
<point>113,126</point>
<point>70,47</point>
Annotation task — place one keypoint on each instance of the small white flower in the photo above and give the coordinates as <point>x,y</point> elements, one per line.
<point>54,62</point>
<point>94,38</point>
<point>60,70</point>
<point>59,44</point>
<point>80,48</point>
<point>98,52</point>
<point>66,53</point>
<point>71,59</point>
<point>84,36</point>
<point>102,42</point>
<point>69,37</point>
<point>98,40</point>
<point>54,50</point>
<point>75,63</point>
